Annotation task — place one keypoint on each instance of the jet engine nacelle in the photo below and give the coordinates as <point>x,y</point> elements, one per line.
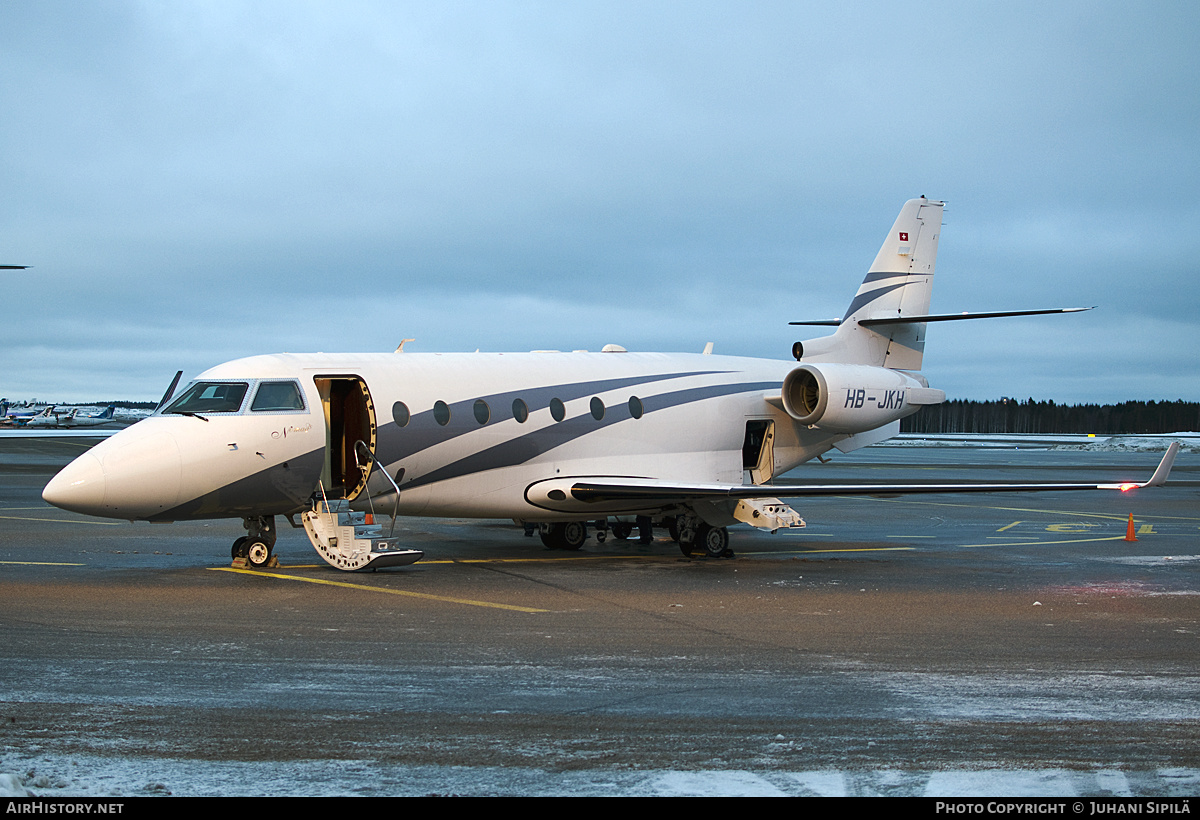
<point>852,398</point>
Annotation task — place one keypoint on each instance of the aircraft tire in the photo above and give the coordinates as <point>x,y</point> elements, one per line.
<point>258,554</point>
<point>673,528</point>
<point>714,540</point>
<point>622,531</point>
<point>572,535</point>
<point>239,548</point>
<point>565,535</point>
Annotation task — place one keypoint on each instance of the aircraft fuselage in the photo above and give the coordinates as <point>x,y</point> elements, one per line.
<point>467,433</point>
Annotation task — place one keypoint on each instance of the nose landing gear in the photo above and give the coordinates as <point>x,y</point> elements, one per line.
<point>256,548</point>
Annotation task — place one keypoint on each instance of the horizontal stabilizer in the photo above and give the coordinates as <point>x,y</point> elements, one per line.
<point>946,317</point>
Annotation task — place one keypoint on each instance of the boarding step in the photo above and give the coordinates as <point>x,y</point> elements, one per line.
<point>347,542</point>
<point>768,514</point>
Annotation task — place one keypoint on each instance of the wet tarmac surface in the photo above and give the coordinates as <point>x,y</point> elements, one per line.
<point>901,641</point>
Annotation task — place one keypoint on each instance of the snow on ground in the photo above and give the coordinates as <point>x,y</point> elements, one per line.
<point>96,777</point>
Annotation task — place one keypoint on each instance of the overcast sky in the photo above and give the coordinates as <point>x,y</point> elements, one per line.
<point>195,182</point>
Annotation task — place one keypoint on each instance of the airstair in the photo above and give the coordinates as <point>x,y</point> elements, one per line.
<point>350,540</point>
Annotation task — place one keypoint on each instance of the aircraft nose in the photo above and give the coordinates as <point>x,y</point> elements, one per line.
<point>135,474</point>
<point>79,487</point>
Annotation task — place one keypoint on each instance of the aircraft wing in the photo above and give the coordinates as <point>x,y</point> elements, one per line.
<point>603,490</point>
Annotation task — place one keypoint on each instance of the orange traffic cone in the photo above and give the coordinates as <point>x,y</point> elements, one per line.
<point>1129,536</point>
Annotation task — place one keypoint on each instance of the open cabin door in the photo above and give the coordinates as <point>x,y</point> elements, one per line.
<point>758,450</point>
<point>349,418</point>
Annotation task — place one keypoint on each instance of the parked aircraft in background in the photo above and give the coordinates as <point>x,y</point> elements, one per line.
<point>560,439</point>
<point>77,418</point>
<point>17,418</point>
<point>44,417</point>
<point>70,418</point>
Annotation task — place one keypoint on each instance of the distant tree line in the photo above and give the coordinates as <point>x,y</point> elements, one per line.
<point>1007,415</point>
<point>125,405</point>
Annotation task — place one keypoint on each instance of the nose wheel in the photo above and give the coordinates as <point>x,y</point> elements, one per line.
<point>256,548</point>
<point>258,554</point>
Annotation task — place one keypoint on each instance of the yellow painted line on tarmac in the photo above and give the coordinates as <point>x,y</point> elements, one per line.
<point>43,563</point>
<point>910,536</point>
<point>545,560</point>
<point>61,520</point>
<point>1110,516</point>
<point>1039,543</point>
<point>809,552</point>
<point>365,588</point>
<point>426,561</point>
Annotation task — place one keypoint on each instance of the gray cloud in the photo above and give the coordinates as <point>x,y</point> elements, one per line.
<point>197,182</point>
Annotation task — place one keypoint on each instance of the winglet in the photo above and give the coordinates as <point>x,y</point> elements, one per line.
<point>1160,474</point>
<point>1164,467</point>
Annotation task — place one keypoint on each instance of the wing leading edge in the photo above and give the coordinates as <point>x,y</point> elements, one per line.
<point>651,492</point>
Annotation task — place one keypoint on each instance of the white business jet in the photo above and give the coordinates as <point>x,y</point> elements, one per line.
<point>556,439</point>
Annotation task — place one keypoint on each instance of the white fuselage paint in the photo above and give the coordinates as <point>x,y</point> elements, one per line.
<point>695,409</point>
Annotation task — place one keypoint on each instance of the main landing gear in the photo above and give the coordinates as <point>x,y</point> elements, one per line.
<point>713,542</point>
<point>563,535</point>
<point>693,535</point>
<point>257,547</point>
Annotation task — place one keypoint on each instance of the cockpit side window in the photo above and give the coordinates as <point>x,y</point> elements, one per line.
<point>210,397</point>
<point>277,396</point>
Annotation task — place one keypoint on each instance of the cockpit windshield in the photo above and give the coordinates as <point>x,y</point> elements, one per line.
<point>277,396</point>
<point>210,397</point>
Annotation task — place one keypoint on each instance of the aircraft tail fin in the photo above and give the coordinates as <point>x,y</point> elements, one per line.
<point>898,284</point>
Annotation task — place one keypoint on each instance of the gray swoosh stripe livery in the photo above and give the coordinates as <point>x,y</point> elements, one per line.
<point>422,432</point>
<point>527,447</point>
<point>870,296</point>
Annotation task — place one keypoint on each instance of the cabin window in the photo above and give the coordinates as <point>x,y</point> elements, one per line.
<point>597,408</point>
<point>482,411</point>
<point>277,396</point>
<point>635,407</point>
<point>400,414</point>
<point>441,413</point>
<point>558,409</point>
<point>520,411</point>
<point>210,397</point>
